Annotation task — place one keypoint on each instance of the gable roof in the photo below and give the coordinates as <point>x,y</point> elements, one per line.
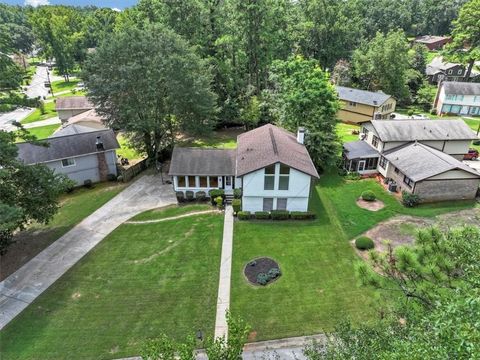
<point>197,161</point>
<point>362,96</point>
<point>431,39</point>
<point>419,162</point>
<point>411,130</point>
<point>461,88</point>
<point>72,130</point>
<point>268,145</point>
<point>73,103</point>
<point>437,64</point>
<point>89,115</point>
<point>66,146</point>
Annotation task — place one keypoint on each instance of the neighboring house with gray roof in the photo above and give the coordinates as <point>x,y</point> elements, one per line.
<point>358,106</point>
<point>270,165</point>
<point>438,70</point>
<point>84,156</point>
<point>459,98</point>
<point>69,106</point>
<point>418,156</point>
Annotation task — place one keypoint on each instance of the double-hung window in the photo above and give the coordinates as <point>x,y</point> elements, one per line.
<point>269,181</point>
<point>68,162</point>
<point>282,203</point>
<point>284,177</point>
<point>267,204</point>
<point>409,182</point>
<point>375,141</point>
<point>383,162</point>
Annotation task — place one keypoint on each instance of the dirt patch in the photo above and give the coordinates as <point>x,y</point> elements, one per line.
<point>260,266</point>
<point>370,205</point>
<point>76,296</point>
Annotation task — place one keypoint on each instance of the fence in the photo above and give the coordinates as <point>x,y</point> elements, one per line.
<point>132,171</point>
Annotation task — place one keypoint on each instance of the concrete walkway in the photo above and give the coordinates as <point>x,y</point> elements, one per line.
<point>23,286</point>
<point>50,121</point>
<point>223,299</point>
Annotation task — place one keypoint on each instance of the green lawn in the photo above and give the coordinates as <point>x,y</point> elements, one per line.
<point>126,150</point>
<point>43,132</point>
<point>139,282</point>
<point>224,139</point>
<point>318,287</point>
<point>61,85</point>
<point>344,131</point>
<point>171,211</point>
<point>37,115</point>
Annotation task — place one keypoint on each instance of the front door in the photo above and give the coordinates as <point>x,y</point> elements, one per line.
<point>361,165</point>
<point>228,182</point>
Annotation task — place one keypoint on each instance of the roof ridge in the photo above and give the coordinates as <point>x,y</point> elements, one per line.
<point>429,148</point>
<point>64,136</point>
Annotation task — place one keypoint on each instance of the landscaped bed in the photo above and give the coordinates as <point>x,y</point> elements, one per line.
<point>262,271</point>
<point>139,282</point>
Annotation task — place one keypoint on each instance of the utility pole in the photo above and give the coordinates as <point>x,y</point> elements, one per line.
<point>49,82</point>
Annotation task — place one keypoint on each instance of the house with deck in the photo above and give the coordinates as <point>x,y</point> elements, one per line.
<point>83,156</point>
<point>459,98</point>
<point>270,165</point>
<point>422,157</point>
<point>358,106</point>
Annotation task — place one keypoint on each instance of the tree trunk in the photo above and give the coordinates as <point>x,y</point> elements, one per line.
<point>469,69</point>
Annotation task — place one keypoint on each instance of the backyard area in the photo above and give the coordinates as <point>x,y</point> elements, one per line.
<point>74,208</point>
<point>139,282</point>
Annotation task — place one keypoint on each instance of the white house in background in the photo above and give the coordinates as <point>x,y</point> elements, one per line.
<point>417,156</point>
<point>461,98</point>
<point>270,165</point>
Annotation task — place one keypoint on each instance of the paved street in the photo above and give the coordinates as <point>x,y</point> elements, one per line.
<point>22,287</point>
<point>6,119</point>
<point>37,85</point>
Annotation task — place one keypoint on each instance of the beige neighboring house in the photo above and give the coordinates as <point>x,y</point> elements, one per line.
<point>88,118</point>
<point>421,157</point>
<point>359,106</point>
<point>70,106</point>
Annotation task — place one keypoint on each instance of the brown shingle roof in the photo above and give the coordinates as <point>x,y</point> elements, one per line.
<point>268,145</point>
<point>197,161</point>
<point>73,103</point>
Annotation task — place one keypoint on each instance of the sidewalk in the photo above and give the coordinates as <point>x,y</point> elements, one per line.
<point>223,299</point>
<point>23,286</point>
<point>51,121</point>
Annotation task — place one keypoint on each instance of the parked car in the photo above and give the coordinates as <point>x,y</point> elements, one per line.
<point>47,84</point>
<point>471,155</point>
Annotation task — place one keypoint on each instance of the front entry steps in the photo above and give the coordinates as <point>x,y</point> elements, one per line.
<point>229,198</point>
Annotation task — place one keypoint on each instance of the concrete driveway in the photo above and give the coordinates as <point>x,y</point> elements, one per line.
<point>27,283</point>
<point>6,119</point>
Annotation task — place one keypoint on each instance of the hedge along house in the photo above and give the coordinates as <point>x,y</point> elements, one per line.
<point>270,165</point>
<point>85,156</point>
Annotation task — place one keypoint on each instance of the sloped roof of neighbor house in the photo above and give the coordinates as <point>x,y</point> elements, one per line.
<point>359,149</point>
<point>411,130</point>
<point>268,145</point>
<point>431,39</point>
<point>86,116</point>
<point>72,130</point>
<point>63,147</point>
<point>420,162</point>
<point>197,161</point>
<point>73,103</point>
<point>461,88</point>
<point>362,96</point>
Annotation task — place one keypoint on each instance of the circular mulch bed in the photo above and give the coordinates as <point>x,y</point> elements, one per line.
<point>371,205</point>
<point>262,271</point>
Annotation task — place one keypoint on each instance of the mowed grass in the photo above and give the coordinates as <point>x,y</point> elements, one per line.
<point>61,85</point>
<point>171,211</point>
<point>74,207</point>
<point>139,282</point>
<point>318,287</point>
<point>344,131</point>
<point>43,132</point>
<point>126,150</point>
<point>37,115</point>
<point>222,139</point>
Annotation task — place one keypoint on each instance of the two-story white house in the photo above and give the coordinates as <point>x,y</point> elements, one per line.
<point>270,165</point>
<point>418,156</point>
<point>460,98</point>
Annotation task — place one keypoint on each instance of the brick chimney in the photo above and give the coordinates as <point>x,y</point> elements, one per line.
<point>301,135</point>
<point>102,160</point>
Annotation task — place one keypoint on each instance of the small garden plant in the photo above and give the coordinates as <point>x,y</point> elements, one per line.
<point>262,271</point>
<point>410,200</point>
<point>364,243</point>
<point>368,195</point>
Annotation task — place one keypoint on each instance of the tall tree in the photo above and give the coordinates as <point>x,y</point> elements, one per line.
<point>382,64</point>
<point>27,192</point>
<point>465,46</point>
<point>150,83</point>
<point>304,96</point>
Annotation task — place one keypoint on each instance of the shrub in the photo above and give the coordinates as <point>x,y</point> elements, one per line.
<point>111,177</point>
<point>273,273</point>
<point>237,193</point>
<point>180,196</point>
<point>369,195</point>
<point>41,107</point>
<point>201,195</point>
<point>410,200</point>
<point>353,176</point>
<point>88,183</point>
<point>237,205</point>
<point>189,195</point>
<point>219,201</point>
<point>476,142</point>
<point>302,215</point>
<point>262,215</point>
<point>280,214</point>
<point>120,178</point>
<point>410,112</point>
<point>244,215</point>
<point>342,172</point>
<point>364,243</point>
<point>263,279</point>
<point>214,193</point>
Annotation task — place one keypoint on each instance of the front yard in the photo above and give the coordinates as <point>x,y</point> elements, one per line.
<point>141,281</point>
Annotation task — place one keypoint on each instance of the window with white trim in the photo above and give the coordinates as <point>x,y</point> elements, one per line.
<point>284,177</point>
<point>375,140</point>
<point>267,204</point>
<point>409,182</point>
<point>68,162</point>
<point>282,203</point>
<point>269,181</point>
<point>181,181</point>
<point>383,162</point>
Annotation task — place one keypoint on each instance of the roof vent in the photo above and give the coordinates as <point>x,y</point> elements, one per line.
<point>99,144</point>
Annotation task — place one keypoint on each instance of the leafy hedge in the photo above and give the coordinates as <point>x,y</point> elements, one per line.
<point>369,195</point>
<point>410,200</point>
<point>244,215</point>
<point>302,215</point>
<point>280,214</point>
<point>236,205</point>
<point>262,215</point>
<point>276,215</point>
<point>364,243</point>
